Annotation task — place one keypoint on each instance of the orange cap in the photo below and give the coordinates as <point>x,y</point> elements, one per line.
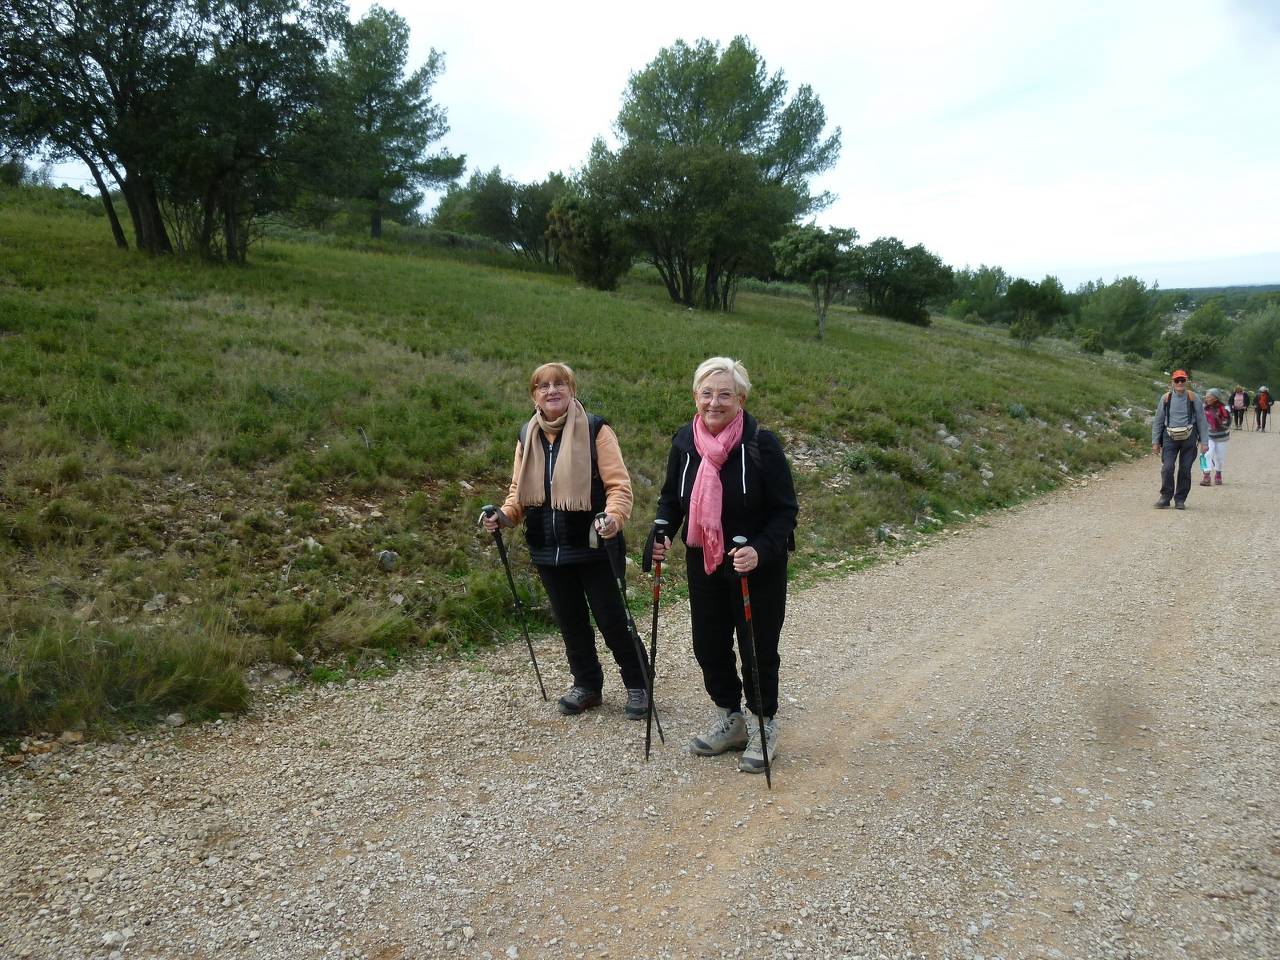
<point>1179,373</point>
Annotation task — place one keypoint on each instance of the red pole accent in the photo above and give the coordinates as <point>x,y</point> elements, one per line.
<point>746,600</point>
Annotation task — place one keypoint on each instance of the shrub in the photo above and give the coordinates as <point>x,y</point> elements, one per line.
<point>1091,342</point>
<point>590,242</point>
<point>857,460</point>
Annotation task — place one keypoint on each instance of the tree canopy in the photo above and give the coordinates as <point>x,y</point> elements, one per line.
<point>900,281</point>
<point>821,259</point>
<point>714,163</point>
<point>208,114</point>
<point>390,118</point>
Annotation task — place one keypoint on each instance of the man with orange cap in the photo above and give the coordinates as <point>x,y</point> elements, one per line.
<point>1177,429</point>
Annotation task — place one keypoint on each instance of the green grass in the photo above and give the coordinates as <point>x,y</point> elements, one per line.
<point>245,441</point>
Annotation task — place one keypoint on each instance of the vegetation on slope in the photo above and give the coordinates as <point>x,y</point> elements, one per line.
<point>200,466</point>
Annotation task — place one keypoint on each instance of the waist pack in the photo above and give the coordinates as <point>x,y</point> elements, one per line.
<point>1178,434</point>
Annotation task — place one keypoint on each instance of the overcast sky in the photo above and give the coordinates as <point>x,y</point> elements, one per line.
<point>1084,139</point>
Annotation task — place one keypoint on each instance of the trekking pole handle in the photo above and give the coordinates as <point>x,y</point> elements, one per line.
<point>489,510</point>
<point>660,532</point>
<point>738,543</point>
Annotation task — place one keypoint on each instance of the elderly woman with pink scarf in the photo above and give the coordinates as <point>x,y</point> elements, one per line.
<point>727,478</point>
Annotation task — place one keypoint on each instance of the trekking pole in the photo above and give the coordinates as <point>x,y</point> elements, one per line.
<point>739,543</point>
<point>659,535</point>
<point>490,510</point>
<point>619,567</point>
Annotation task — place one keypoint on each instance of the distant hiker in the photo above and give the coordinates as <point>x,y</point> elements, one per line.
<point>568,468</point>
<point>1176,427</point>
<point>1261,408</point>
<point>726,477</point>
<point>1218,417</point>
<point>1239,404</point>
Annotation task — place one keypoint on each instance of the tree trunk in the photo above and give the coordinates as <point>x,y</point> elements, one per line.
<point>688,281</point>
<point>711,287</point>
<point>159,235</point>
<point>129,189</point>
<point>117,232</point>
<point>666,270</point>
<point>231,228</point>
<point>144,209</point>
<point>208,209</point>
<point>375,221</point>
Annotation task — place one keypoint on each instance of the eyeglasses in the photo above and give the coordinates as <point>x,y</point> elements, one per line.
<point>706,396</point>
<point>1179,379</point>
<point>556,384</point>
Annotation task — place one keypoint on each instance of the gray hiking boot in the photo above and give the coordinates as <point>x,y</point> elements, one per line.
<point>727,732</point>
<point>637,703</point>
<point>577,700</point>
<point>752,759</point>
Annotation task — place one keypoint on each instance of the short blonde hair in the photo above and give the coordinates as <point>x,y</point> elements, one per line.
<point>733,368</point>
<point>553,371</point>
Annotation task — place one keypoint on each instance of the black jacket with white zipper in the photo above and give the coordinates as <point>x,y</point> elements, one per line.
<point>759,499</point>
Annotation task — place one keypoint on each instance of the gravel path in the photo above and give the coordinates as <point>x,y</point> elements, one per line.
<point>1054,734</point>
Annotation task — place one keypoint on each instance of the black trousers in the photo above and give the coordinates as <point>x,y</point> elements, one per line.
<point>1238,417</point>
<point>1184,454</point>
<point>715,604</point>
<point>571,590</point>
<point>1260,418</point>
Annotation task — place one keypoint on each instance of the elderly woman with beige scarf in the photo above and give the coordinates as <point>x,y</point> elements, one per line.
<point>568,469</point>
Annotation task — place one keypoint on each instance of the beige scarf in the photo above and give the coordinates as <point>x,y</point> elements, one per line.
<point>571,477</point>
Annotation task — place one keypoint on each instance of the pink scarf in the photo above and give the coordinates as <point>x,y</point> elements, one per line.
<point>706,499</point>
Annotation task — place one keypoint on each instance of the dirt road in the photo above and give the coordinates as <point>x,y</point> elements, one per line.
<point>1055,734</point>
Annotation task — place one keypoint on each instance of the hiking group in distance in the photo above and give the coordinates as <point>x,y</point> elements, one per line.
<point>1185,424</point>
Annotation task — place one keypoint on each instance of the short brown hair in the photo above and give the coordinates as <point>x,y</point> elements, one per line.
<point>552,371</point>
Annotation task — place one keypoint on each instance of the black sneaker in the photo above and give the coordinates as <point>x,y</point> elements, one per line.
<point>1162,504</point>
<point>1179,505</point>
<point>637,703</point>
<point>577,700</point>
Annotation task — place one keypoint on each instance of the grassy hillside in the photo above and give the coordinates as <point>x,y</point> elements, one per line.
<point>199,466</point>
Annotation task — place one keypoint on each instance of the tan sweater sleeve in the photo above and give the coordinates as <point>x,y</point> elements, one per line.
<point>511,506</point>
<point>617,481</point>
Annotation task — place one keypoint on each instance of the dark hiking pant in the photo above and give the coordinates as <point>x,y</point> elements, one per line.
<point>1184,454</point>
<point>1260,418</point>
<point>1238,417</point>
<point>571,590</point>
<point>715,605</point>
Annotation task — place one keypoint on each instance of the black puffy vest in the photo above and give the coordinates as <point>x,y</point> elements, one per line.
<point>559,537</point>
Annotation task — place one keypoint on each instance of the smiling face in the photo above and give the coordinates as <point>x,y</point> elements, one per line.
<point>552,396</point>
<point>717,401</point>
<point>1180,384</point>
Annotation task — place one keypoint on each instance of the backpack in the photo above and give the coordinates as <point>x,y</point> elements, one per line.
<point>1191,397</point>
<point>1191,402</point>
